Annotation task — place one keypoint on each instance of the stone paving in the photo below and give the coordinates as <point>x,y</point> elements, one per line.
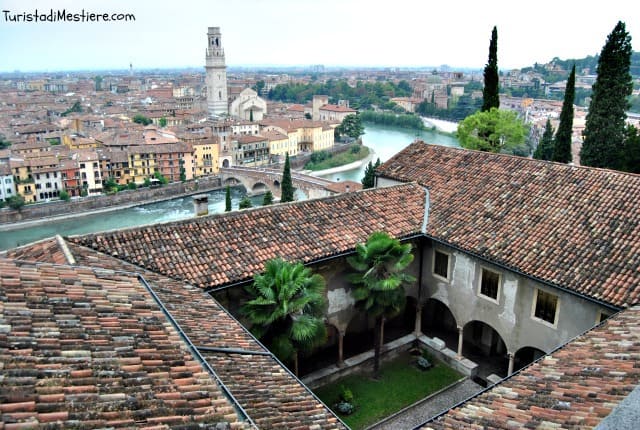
<point>421,412</point>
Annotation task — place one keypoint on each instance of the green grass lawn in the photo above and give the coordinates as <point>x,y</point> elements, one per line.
<point>401,384</point>
<point>339,159</point>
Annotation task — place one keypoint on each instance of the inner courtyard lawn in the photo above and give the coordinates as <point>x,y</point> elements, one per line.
<point>401,384</point>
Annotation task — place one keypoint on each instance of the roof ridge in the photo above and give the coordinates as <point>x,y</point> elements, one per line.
<point>520,158</point>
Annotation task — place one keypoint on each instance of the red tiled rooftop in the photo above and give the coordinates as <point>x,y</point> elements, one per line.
<point>228,248</point>
<point>267,392</point>
<point>575,387</point>
<point>89,348</point>
<point>574,227</point>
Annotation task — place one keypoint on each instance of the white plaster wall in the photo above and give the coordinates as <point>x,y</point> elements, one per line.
<point>511,315</point>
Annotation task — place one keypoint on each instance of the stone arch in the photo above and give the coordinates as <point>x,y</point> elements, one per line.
<point>402,324</point>
<point>438,321</point>
<point>259,188</point>
<point>525,356</point>
<point>325,356</point>
<point>231,181</point>
<point>484,345</point>
<point>225,163</point>
<point>358,337</point>
<point>276,183</point>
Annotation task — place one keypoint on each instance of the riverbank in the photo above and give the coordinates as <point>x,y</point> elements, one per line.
<point>134,201</point>
<point>351,166</point>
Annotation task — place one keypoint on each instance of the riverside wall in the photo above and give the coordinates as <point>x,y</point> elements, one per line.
<point>122,198</point>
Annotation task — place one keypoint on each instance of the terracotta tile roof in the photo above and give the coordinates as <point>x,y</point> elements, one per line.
<point>267,392</point>
<point>50,250</point>
<point>227,248</point>
<point>265,389</point>
<point>576,386</point>
<point>88,348</point>
<point>574,227</point>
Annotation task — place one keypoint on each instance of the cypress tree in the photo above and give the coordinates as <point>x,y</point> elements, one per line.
<point>544,151</point>
<point>267,199</point>
<point>245,203</point>
<point>287,184</point>
<point>490,96</point>
<point>227,199</point>
<point>562,141</point>
<point>369,178</point>
<point>604,131</point>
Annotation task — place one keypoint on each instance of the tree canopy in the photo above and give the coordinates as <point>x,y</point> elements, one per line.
<point>544,151</point>
<point>141,119</point>
<point>369,179</point>
<point>604,132</point>
<point>493,131</point>
<point>351,126</point>
<point>378,281</point>
<point>245,203</point>
<point>286,309</point>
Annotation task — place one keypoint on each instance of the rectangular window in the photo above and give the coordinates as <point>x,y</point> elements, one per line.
<point>546,307</point>
<point>441,264</point>
<point>489,284</point>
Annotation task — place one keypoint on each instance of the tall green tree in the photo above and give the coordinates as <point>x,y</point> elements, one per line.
<point>492,131</point>
<point>351,126</point>
<point>562,141</point>
<point>544,151</point>
<point>162,122</point>
<point>227,199</point>
<point>604,131</point>
<point>378,279</point>
<point>286,186</point>
<point>490,92</point>
<point>286,309</point>
<point>369,179</point>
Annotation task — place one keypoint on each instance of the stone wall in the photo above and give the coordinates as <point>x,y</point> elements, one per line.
<point>122,198</point>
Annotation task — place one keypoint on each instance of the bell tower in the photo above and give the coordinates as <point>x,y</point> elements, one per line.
<point>216,80</point>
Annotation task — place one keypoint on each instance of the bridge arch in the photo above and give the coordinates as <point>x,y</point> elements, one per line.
<point>260,188</point>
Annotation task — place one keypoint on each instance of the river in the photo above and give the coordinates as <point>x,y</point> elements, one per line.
<point>384,141</point>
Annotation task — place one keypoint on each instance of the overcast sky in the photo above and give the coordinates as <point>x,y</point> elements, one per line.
<point>396,33</point>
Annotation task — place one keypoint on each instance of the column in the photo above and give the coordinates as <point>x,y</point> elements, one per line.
<point>511,359</point>
<point>418,324</point>
<point>460,340</point>
<point>340,348</point>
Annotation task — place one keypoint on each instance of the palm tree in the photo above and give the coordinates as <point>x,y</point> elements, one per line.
<point>379,281</point>
<point>286,309</point>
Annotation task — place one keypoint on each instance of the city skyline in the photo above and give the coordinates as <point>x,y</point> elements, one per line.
<point>333,33</point>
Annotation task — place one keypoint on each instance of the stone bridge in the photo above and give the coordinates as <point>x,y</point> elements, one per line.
<point>258,180</point>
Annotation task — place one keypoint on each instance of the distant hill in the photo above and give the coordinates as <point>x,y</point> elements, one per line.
<point>590,63</point>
